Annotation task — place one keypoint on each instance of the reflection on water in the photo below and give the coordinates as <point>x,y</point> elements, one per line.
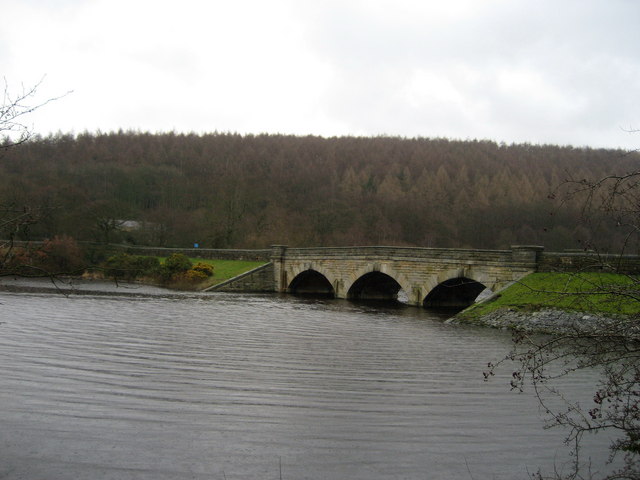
<point>230,386</point>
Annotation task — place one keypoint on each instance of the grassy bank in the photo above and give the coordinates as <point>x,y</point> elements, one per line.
<point>224,269</point>
<point>599,293</point>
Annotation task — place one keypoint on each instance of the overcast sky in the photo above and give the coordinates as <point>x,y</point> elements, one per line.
<point>541,71</point>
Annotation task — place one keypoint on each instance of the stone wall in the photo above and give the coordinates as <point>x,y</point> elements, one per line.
<point>588,262</point>
<point>208,253</point>
<point>259,279</point>
<point>257,255</point>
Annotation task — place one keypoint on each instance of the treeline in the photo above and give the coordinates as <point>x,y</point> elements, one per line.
<point>235,191</point>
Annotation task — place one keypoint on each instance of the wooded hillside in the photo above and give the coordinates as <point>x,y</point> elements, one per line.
<point>228,190</point>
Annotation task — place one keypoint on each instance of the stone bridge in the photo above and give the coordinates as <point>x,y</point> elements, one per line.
<point>429,277</point>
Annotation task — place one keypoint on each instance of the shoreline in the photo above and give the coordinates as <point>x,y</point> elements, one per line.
<point>83,286</point>
<point>543,321</point>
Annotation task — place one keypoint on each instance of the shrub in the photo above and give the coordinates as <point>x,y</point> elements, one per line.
<point>17,260</point>
<point>204,268</point>
<point>187,280</point>
<point>97,254</point>
<point>130,267</point>
<point>175,264</point>
<point>194,275</point>
<point>61,254</point>
<point>147,266</point>
<point>119,266</point>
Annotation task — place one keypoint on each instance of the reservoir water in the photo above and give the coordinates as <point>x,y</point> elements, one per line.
<point>234,386</point>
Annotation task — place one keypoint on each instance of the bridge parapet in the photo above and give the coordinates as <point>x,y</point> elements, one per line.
<point>520,254</point>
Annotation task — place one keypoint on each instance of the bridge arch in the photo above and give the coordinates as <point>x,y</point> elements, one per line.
<point>311,282</point>
<point>375,282</point>
<point>458,292</point>
<point>456,288</point>
<point>374,286</point>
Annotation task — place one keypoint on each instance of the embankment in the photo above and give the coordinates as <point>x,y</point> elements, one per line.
<point>547,320</point>
<point>558,303</point>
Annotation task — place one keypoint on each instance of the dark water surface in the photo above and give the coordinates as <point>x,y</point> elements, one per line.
<point>240,386</point>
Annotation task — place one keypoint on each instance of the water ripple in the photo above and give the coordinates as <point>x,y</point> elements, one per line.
<point>228,386</point>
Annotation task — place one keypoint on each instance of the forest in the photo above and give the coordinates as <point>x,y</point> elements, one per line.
<point>225,190</point>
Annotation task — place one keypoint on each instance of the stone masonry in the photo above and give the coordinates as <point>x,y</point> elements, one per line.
<point>417,270</point>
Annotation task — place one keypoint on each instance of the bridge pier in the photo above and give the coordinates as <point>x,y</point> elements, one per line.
<point>278,253</point>
<point>415,296</point>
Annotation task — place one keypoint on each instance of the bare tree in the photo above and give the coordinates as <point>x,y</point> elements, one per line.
<point>15,109</point>
<point>609,348</point>
<point>14,130</point>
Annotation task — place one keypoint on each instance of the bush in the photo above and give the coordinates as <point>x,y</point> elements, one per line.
<point>17,260</point>
<point>174,265</point>
<point>97,254</point>
<point>130,267</point>
<point>204,268</point>
<point>147,266</point>
<point>188,280</point>
<point>119,266</point>
<point>194,276</point>
<point>61,254</point>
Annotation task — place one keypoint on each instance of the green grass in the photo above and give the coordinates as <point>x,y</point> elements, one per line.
<point>226,269</point>
<point>222,270</point>
<point>603,293</point>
